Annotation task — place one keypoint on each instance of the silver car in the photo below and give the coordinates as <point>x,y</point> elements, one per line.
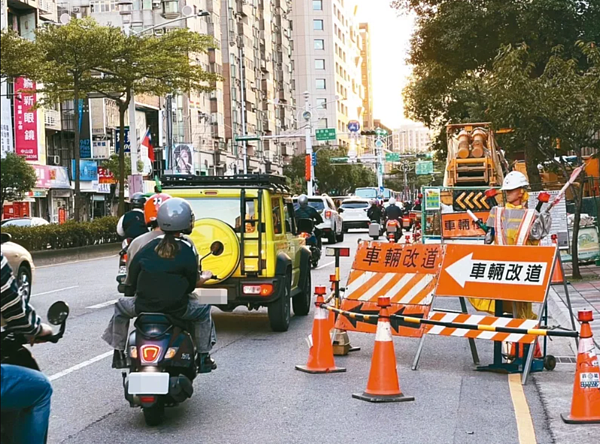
<point>354,213</point>
<point>21,263</point>
<point>332,226</point>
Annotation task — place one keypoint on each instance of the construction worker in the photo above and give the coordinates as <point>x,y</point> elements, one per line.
<point>514,224</point>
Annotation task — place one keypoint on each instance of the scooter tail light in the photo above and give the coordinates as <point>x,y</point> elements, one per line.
<point>147,399</point>
<point>150,353</point>
<point>328,214</point>
<point>133,352</point>
<point>171,352</point>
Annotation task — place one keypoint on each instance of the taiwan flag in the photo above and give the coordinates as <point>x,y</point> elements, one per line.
<point>147,148</point>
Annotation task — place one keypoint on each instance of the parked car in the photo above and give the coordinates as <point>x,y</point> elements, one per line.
<point>332,226</point>
<point>25,222</point>
<point>20,261</point>
<point>354,213</point>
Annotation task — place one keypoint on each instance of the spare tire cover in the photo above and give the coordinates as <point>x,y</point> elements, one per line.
<point>207,231</point>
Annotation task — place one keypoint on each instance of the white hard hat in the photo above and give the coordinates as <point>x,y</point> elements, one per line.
<point>514,180</point>
<point>392,201</point>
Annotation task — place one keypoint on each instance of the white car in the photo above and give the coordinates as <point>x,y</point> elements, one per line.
<point>354,213</point>
<point>332,226</point>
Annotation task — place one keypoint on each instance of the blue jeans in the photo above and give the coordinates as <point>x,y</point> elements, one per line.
<point>27,393</point>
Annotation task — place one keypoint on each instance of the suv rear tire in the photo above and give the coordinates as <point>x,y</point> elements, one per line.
<point>279,311</point>
<point>302,301</point>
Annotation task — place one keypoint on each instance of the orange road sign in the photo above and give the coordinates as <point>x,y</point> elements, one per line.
<point>461,225</point>
<point>398,258</point>
<point>507,272</point>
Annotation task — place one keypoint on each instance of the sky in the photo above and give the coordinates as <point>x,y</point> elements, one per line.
<point>390,42</point>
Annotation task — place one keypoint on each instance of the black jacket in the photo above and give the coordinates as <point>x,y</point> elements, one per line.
<point>393,212</point>
<point>309,213</point>
<point>163,285</point>
<point>132,224</point>
<point>374,213</point>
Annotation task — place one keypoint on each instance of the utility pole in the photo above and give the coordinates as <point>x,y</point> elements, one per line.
<point>169,113</point>
<point>307,115</point>
<point>379,145</point>
<point>243,99</point>
<point>133,141</point>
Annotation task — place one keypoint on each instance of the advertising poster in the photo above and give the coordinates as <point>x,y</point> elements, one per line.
<point>26,138</point>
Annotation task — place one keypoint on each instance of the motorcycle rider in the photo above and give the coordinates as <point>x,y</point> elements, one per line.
<point>163,274</point>
<point>394,212</point>
<point>22,389</point>
<point>132,224</point>
<point>305,211</point>
<point>374,212</point>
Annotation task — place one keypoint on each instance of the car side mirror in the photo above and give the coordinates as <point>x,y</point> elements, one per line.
<point>6,237</point>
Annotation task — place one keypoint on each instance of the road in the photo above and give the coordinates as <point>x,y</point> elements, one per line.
<point>256,395</point>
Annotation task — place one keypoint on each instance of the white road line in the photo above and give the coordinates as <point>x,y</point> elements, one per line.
<point>325,265</point>
<point>55,376</point>
<point>55,291</point>
<point>77,261</point>
<point>103,304</point>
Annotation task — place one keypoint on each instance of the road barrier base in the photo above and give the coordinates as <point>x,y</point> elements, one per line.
<point>382,398</point>
<point>517,366</point>
<point>341,344</point>
<point>305,369</point>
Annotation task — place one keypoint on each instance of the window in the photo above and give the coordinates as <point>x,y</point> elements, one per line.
<point>321,84</point>
<point>319,63</point>
<point>319,44</point>
<point>318,25</point>
<point>276,210</point>
<point>322,123</point>
<point>317,5</point>
<point>321,103</point>
<point>289,214</point>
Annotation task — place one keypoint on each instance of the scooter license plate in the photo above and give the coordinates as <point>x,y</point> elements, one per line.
<point>148,383</point>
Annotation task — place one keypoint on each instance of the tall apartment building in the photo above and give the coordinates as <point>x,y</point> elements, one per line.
<point>367,79</point>
<point>412,138</point>
<point>327,62</point>
<point>258,88</point>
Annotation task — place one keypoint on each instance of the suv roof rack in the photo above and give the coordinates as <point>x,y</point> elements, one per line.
<point>249,180</point>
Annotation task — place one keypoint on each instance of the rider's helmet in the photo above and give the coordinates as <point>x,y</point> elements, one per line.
<point>514,180</point>
<point>137,201</point>
<point>303,201</point>
<point>392,201</point>
<point>151,207</point>
<point>176,216</point>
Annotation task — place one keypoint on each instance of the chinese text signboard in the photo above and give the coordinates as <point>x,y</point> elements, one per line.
<point>26,141</point>
<point>424,167</point>
<point>433,199</point>
<point>118,141</point>
<point>324,134</point>
<point>461,225</point>
<point>398,258</point>
<point>509,273</point>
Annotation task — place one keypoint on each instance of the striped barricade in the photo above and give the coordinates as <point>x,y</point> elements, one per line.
<point>407,274</point>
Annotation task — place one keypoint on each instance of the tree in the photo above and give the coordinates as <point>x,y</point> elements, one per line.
<point>562,103</point>
<point>18,177</point>
<point>154,65</point>
<point>113,164</point>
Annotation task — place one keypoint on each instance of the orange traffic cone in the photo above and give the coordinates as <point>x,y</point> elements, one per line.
<point>557,274</point>
<point>585,407</point>
<point>383,385</point>
<point>320,355</point>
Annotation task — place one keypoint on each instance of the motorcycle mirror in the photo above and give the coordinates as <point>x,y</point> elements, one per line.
<point>58,313</point>
<point>216,248</point>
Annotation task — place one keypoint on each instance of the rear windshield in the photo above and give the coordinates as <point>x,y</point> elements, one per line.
<point>17,222</point>
<point>317,204</point>
<point>350,205</point>
<point>226,209</point>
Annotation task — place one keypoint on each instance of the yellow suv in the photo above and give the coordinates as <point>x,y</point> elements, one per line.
<point>264,262</point>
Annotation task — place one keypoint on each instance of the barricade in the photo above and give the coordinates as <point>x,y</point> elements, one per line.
<point>407,274</point>
<point>505,274</point>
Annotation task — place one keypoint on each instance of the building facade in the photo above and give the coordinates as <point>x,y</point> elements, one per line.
<point>412,138</point>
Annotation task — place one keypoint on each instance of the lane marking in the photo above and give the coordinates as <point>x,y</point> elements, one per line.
<point>103,304</point>
<point>77,262</point>
<point>522,414</point>
<point>325,265</point>
<point>54,291</point>
<point>58,375</point>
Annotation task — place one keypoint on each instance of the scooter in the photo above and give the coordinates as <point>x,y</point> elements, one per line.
<point>306,230</point>
<point>162,361</point>
<point>374,229</point>
<point>123,265</point>
<point>393,231</point>
<point>13,351</point>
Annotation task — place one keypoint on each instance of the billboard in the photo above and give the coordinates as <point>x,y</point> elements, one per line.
<point>26,134</point>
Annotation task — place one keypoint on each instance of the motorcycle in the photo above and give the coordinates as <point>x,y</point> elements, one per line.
<point>393,231</point>
<point>162,361</point>
<point>123,265</point>
<point>406,221</point>
<point>306,230</point>
<point>13,351</point>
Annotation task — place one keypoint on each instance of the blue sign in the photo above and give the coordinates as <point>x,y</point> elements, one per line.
<point>381,189</point>
<point>378,143</point>
<point>88,169</point>
<point>353,126</point>
<point>314,159</point>
<point>127,140</point>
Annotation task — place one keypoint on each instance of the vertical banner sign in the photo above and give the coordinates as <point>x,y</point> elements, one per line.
<point>26,140</point>
<point>85,131</point>
<point>307,166</point>
<point>6,123</point>
<point>118,141</point>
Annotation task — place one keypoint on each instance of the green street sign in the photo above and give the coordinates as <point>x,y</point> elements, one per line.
<point>424,167</point>
<point>247,138</point>
<point>324,134</point>
<point>338,160</point>
<point>392,157</point>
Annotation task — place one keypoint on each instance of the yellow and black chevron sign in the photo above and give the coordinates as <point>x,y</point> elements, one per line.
<point>469,200</point>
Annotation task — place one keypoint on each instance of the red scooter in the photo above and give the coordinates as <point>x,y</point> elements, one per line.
<point>393,231</point>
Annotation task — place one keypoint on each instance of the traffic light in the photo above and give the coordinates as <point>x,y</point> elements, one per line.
<point>368,133</point>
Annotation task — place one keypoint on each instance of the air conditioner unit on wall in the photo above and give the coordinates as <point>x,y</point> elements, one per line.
<point>55,160</point>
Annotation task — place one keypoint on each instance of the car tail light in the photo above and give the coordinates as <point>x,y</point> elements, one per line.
<point>328,214</point>
<point>150,354</point>
<point>147,399</point>
<point>124,257</point>
<point>258,289</point>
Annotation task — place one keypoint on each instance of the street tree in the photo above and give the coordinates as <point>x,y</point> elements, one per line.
<point>153,65</point>
<point>18,178</point>
<point>561,104</point>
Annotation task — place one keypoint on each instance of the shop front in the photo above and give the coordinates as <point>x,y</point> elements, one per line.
<point>52,198</point>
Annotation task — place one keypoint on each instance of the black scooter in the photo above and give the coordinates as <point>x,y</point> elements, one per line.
<point>13,351</point>
<point>162,361</point>
<point>306,230</point>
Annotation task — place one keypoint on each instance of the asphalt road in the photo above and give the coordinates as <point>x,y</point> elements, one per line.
<point>256,395</point>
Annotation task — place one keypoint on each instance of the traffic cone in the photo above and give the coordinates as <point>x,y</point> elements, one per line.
<point>557,274</point>
<point>585,406</point>
<point>320,355</point>
<point>383,385</point>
